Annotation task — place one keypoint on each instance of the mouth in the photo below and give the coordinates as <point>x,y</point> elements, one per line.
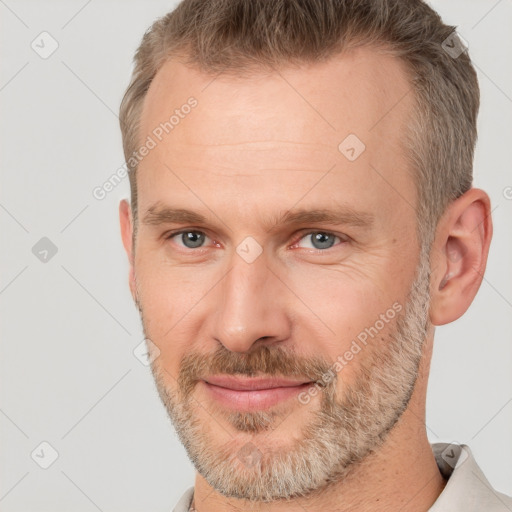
<point>252,393</point>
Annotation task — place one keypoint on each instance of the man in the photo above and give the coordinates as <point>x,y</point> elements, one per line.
<point>301,219</point>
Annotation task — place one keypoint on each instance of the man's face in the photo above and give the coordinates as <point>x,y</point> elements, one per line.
<point>257,300</point>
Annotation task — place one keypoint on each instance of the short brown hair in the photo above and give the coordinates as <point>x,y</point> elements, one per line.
<point>223,36</point>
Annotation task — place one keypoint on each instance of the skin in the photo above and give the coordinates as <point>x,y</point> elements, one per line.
<point>251,150</point>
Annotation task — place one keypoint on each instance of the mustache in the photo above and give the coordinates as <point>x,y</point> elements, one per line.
<point>263,360</point>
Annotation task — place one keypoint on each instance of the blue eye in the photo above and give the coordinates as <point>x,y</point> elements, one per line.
<point>190,239</point>
<point>319,240</point>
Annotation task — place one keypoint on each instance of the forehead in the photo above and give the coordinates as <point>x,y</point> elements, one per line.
<point>280,131</point>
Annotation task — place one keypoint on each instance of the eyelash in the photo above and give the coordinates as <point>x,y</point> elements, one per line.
<point>343,238</point>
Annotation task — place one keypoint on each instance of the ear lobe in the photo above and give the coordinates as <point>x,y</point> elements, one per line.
<point>459,255</point>
<point>126,223</point>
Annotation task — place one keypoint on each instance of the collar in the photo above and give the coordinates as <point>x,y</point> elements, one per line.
<point>467,489</point>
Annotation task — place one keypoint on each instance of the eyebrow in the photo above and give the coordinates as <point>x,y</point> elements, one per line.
<point>157,215</point>
<point>342,215</point>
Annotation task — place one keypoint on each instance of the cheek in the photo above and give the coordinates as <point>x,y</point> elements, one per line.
<point>345,299</point>
<point>170,300</point>
<point>350,316</point>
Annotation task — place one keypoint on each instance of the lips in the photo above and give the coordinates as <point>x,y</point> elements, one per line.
<point>252,383</point>
<point>251,393</point>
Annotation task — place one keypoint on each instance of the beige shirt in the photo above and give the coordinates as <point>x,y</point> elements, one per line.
<point>467,489</point>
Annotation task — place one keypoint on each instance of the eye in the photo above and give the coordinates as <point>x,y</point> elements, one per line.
<point>189,239</point>
<point>319,240</point>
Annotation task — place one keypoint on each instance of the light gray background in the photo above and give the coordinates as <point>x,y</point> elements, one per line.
<point>68,373</point>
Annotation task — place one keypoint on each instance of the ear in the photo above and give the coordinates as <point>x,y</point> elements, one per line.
<point>459,255</point>
<point>126,222</point>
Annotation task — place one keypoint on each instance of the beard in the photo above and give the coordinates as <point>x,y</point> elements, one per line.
<point>340,432</point>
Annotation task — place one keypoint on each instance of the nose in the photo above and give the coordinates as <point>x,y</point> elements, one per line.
<point>251,307</point>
